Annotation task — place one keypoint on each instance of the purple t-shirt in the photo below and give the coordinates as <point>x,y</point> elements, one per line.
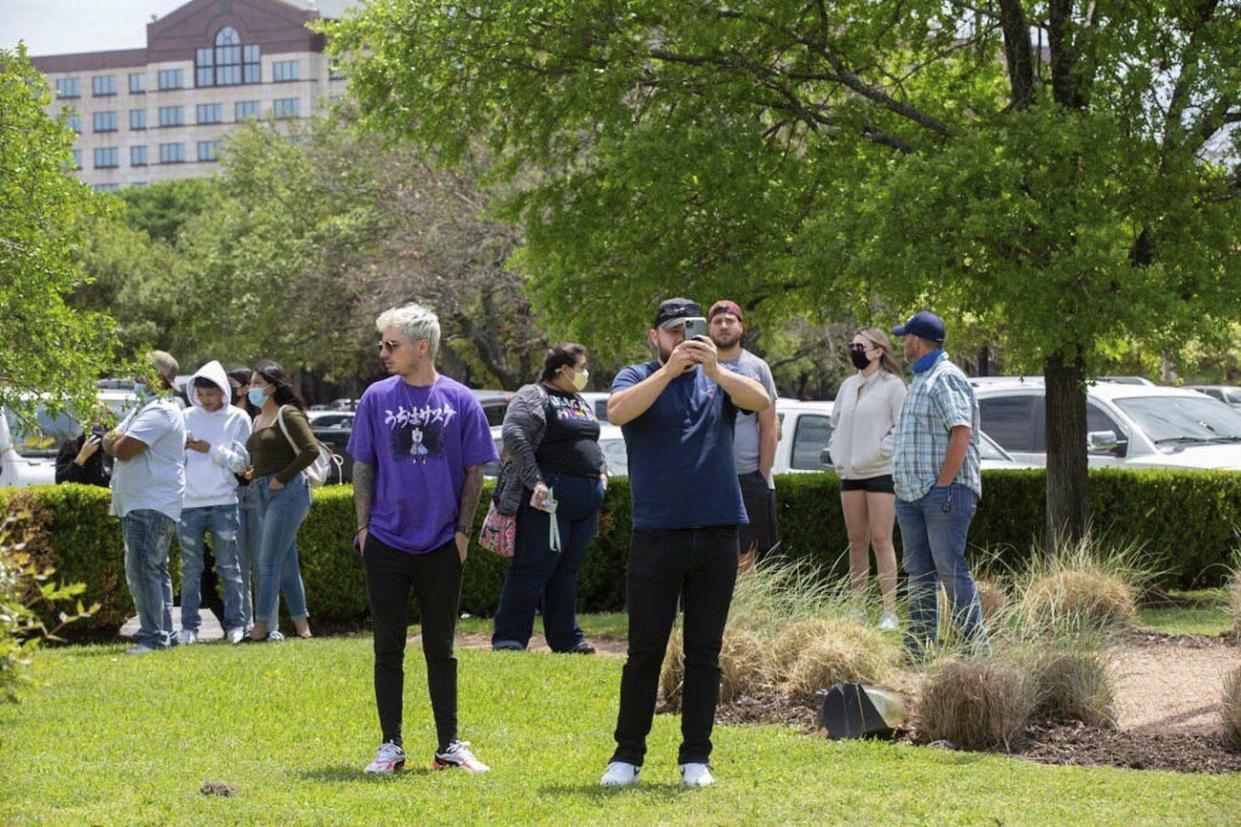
<point>419,441</point>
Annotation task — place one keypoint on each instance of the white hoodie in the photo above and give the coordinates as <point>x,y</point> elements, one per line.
<point>209,477</point>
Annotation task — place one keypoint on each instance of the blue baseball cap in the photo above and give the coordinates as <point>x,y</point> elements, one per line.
<point>924,324</point>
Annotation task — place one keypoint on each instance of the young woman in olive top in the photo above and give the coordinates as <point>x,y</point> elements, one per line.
<point>282,491</point>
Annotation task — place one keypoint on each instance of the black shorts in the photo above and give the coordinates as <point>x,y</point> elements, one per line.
<point>760,534</point>
<point>876,485</point>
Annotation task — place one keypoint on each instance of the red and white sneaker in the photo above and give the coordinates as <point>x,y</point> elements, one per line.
<point>388,759</point>
<point>458,755</point>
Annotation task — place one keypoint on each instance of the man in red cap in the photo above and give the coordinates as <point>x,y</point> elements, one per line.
<point>754,436</point>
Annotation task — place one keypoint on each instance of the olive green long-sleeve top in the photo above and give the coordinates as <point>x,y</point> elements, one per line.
<point>271,453</point>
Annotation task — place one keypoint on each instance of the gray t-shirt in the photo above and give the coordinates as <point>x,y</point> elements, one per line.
<point>155,479</point>
<point>745,433</point>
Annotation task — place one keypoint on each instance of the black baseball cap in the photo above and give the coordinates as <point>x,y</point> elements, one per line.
<point>671,310</point>
<point>924,324</point>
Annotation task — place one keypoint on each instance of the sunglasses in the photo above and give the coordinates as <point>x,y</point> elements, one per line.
<point>388,345</point>
<point>856,348</point>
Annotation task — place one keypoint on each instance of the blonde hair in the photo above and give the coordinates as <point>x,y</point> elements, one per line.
<point>415,321</point>
<point>878,338</point>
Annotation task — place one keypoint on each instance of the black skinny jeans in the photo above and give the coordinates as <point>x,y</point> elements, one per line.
<point>699,567</point>
<point>435,578</point>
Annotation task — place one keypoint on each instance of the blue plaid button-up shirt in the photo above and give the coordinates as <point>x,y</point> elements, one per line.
<point>938,400</point>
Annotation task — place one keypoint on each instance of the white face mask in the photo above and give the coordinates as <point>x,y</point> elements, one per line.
<point>580,379</point>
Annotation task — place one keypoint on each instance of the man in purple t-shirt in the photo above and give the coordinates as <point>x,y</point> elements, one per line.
<point>419,444</point>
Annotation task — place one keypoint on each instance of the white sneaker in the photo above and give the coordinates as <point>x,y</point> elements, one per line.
<point>388,759</point>
<point>889,622</point>
<point>141,649</point>
<point>620,774</point>
<point>458,755</point>
<point>696,775</point>
<point>234,636</point>
<point>187,637</point>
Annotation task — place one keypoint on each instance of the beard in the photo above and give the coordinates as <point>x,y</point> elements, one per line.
<point>727,340</point>
<point>665,353</point>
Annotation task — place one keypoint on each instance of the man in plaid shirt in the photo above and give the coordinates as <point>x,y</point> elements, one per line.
<point>938,482</point>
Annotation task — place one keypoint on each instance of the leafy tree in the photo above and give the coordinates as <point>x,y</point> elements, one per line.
<point>46,347</point>
<point>163,207</point>
<point>1052,172</point>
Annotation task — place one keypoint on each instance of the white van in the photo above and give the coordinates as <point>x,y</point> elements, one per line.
<point>28,449</point>
<point>1129,426</point>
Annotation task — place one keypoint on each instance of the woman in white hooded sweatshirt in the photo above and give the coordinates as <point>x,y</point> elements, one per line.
<point>864,417</point>
<point>215,449</point>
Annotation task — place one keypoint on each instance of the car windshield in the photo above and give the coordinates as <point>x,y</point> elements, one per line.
<point>1172,420</point>
<point>615,456</point>
<point>43,436</point>
<point>1233,396</point>
<point>988,449</point>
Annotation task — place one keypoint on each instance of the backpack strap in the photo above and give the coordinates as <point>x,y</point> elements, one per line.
<point>285,430</point>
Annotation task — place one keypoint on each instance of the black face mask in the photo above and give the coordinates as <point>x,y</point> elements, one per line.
<point>859,359</point>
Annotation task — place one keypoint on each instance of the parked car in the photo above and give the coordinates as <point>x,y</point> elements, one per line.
<point>332,429</point>
<point>1228,394</point>
<point>1129,426</point>
<point>611,440</point>
<point>28,449</point>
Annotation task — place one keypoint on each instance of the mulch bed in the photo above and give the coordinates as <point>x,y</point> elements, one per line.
<point>1080,745</point>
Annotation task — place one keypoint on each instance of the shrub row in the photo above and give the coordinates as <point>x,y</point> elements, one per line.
<point>1185,521</point>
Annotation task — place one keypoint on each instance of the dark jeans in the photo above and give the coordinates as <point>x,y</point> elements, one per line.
<point>699,567</point>
<point>933,535</point>
<point>760,535</point>
<point>435,578</point>
<point>537,572</point>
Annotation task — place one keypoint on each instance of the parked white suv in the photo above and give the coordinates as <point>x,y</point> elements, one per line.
<point>1129,426</point>
<point>28,449</point>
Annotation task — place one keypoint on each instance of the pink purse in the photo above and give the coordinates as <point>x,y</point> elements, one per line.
<point>499,532</point>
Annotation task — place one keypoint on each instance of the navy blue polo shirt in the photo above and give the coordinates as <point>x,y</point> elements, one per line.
<point>681,468</point>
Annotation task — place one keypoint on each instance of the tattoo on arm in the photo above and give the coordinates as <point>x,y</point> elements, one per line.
<point>470,495</point>
<point>363,492</point>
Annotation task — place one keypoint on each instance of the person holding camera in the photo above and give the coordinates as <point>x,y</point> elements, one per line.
<point>80,460</point>
<point>864,419</point>
<point>551,439</point>
<point>677,413</point>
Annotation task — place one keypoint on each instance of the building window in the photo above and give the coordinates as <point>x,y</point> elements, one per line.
<point>106,157</point>
<point>137,119</point>
<point>105,121</point>
<point>172,116</point>
<point>208,150</point>
<point>77,158</point>
<point>138,156</point>
<point>170,79</point>
<point>74,122</point>
<point>137,83</point>
<point>171,153</point>
<point>68,88</point>
<point>283,71</point>
<point>245,109</point>
<point>137,184</point>
<point>285,107</point>
<point>210,113</point>
<point>107,187</point>
<point>103,85</point>
<point>226,62</point>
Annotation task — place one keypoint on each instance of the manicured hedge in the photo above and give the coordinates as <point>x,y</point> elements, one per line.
<point>1185,520</point>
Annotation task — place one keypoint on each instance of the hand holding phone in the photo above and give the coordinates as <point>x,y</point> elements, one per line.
<point>695,327</point>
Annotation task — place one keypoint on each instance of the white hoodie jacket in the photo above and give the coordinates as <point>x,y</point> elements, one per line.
<point>209,477</point>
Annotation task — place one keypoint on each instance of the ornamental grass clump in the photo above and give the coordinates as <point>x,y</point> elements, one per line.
<point>1081,589</point>
<point>975,704</point>
<point>743,666</point>
<point>1230,710</point>
<point>672,674</point>
<point>1072,684</point>
<point>848,652</point>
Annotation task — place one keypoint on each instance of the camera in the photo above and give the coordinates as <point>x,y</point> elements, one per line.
<point>695,328</point>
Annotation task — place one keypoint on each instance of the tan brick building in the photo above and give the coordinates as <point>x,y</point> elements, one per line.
<point>160,112</point>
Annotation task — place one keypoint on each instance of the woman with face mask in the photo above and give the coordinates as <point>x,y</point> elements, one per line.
<point>552,463</point>
<point>281,447</point>
<point>864,417</point>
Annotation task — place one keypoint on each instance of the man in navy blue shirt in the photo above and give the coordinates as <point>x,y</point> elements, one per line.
<point>677,414</point>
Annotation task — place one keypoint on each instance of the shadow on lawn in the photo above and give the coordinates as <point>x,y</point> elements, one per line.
<point>661,791</point>
<point>339,773</point>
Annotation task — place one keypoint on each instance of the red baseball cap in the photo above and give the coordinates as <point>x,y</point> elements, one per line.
<point>725,306</point>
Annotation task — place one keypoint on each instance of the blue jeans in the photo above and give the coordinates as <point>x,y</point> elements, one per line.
<point>281,514</point>
<point>147,534</point>
<point>537,572</point>
<point>223,522</point>
<point>933,534</point>
<point>249,536</point>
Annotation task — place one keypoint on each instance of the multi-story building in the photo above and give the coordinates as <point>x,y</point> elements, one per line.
<point>161,112</point>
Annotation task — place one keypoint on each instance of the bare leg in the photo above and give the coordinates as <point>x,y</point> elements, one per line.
<point>881,509</point>
<point>853,504</point>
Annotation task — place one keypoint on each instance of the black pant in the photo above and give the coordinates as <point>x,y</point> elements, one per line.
<point>699,566</point>
<point>436,581</point>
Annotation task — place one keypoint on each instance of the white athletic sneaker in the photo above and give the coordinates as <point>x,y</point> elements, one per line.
<point>620,774</point>
<point>696,775</point>
<point>889,622</point>
<point>186,637</point>
<point>458,755</point>
<point>234,636</point>
<point>388,759</point>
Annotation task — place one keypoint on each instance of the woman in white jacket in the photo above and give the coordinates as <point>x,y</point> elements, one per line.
<point>864,417</point>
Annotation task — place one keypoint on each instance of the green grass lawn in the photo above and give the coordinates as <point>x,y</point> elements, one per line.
<point>1197,612</point>
<point>117,739</point>
<point>598,626</point>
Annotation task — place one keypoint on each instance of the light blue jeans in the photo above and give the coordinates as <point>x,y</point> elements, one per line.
<point>222,521</point>
<point>933,535</point>
<point>249,539</point>
<point>147,535</point>
<point>281,514</point>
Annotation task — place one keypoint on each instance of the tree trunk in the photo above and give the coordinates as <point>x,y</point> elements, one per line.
<point>1068,496</point>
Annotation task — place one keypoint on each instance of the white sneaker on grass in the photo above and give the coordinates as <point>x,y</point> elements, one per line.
<point>696,775</point>
<point>620,774</point>
<point>458,755</point>
<point>234,636</point>
<point>889,622</point>
<point>389,758</point>
<point>187,637</point>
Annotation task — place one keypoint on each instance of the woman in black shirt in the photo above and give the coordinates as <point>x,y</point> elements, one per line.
<point>551,446</point>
